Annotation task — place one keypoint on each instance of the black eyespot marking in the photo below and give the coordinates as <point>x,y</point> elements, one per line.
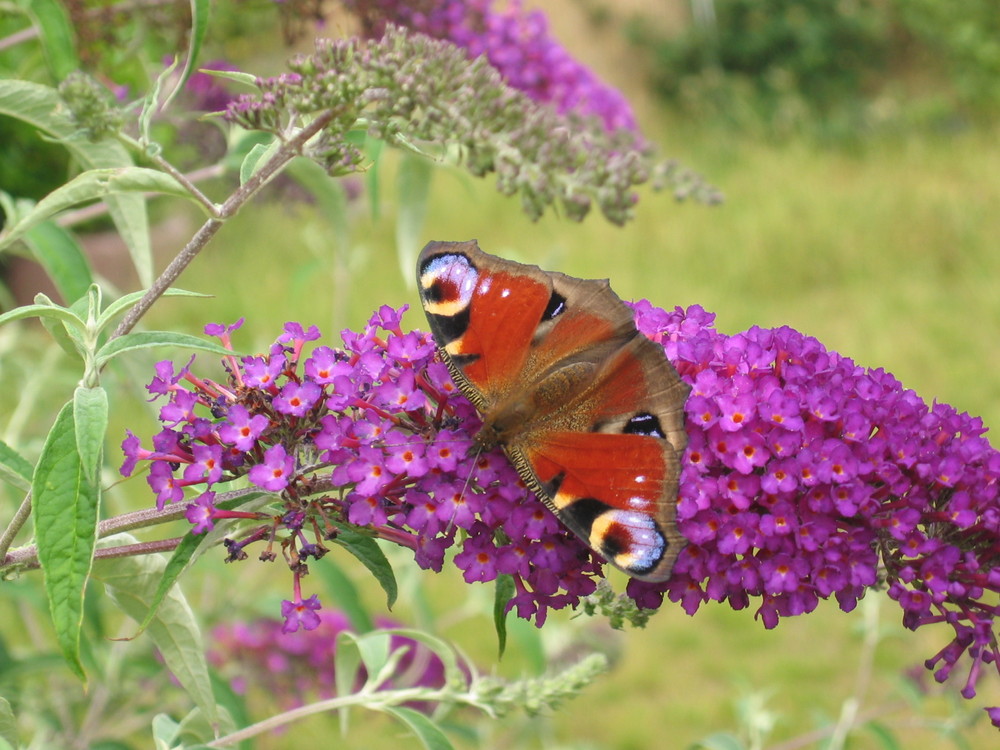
<point>645,423</point>
<point>616,540</point>
<point>448,328</point>
<point>556,306</point>
<point>585,511</point>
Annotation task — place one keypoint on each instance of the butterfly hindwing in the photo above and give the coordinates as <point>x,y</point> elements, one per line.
<point>588,409</point>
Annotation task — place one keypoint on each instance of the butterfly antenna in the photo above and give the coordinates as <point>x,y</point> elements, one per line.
<point>466,488</point>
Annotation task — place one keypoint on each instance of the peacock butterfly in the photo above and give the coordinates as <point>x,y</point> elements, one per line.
<point>588,409</point>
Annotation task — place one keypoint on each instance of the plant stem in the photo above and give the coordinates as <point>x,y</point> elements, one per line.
<point>233,204</point>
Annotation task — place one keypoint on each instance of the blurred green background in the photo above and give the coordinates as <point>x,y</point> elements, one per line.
<point>868,218</point>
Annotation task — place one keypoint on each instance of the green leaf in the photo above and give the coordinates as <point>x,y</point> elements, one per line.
<point>8,723</point>
<point>15,469</point>
<point>60,255</point>
<point>132,582</point>
<point>192,546</point>
<point>248,79</point>
<point>95,184</point>
<point>56,36</point>
<point>65,515</point>
<point>257,155</point>
<point>425,729</point>
<point>346,670</point>
<point>122,304</point>
<point>414,182</point>
<point>199,27</point>
<point>41,107</point>
<point>374,650</point>
<point>503,591</point>
<point>149,339</point>
<point>70,340</point>
<point>453,674</point>
<point>165,731</point>
<point>151,103</point>
<point>90,415</point>
<point>372,557</point>
<point>53,312</point>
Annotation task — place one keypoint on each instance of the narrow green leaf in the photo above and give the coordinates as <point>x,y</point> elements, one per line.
<point>414,182</point>
<point>53,312</point>
<point>503,591</point>
<point>42,107</point>
<point>131,582</point>
<point>122,304</point>
<point>8,723</point>
<point>60,255</point>
<point>151,102</point>
<point>15,469</point>
<point>92,185</point>
<point>453,674</point>
<point>199,27</point>
<point>65,509</point>
<point>346,670</point>
<point>70,340</point>
<point>372,557</point>
<point>425,729</point>
<point>345,594</point>
<point>165,731</point>
<point>248,79</point>
<point>374,650</point>
<point>56,36</point>
<point>149,339</point>
<point>90,415</point>
<point>257,156</point>
<point>192,546</point>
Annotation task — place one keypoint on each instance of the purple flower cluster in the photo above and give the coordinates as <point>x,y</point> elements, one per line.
<point>807,476</point>
<point>299,668</point>
<point>516,42</point>
<point>374,435</point>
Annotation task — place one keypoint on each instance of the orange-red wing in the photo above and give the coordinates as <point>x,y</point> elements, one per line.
<point>617,492</point>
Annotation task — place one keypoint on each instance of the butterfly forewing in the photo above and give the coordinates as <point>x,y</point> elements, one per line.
<point>588,409</point>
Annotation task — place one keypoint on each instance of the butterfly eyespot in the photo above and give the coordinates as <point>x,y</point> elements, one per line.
<point>644,423</point>
<point>556,306</point>
<point>447,283</point>
<point>631,540</point>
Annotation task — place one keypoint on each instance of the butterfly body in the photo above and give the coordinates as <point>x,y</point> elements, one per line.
<point>589,411</point>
